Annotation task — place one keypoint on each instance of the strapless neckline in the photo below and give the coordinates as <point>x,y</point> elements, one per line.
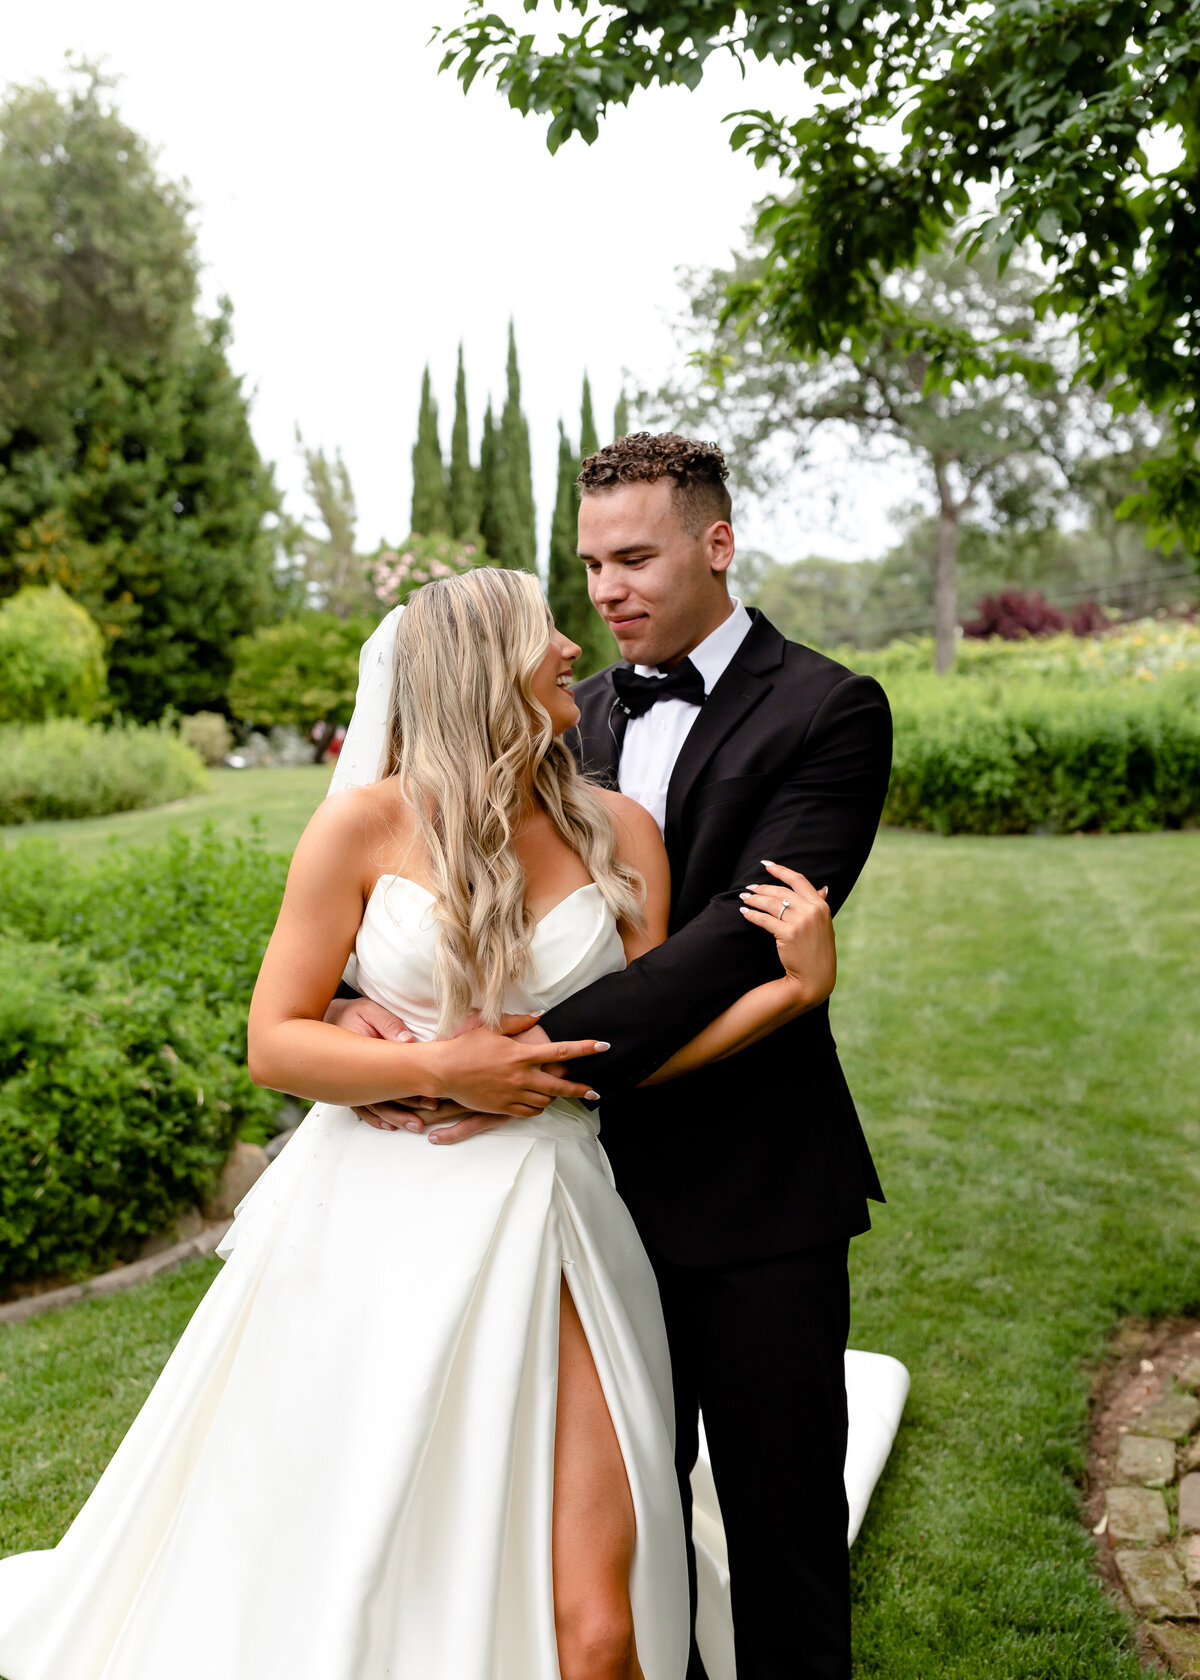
<point>407,880</point>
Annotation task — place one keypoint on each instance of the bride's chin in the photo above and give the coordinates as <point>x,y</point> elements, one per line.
<point>565,721</point>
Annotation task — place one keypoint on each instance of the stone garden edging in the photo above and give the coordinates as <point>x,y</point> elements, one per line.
<point>1143,1495</point>
<point>244,1166</point>
<point>198,1247</point>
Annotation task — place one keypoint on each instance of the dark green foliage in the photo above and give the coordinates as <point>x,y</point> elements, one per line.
<point>153,516</point>
<point>917,119</point>
<point>68,768</point>
<point>122,1016</point>
<point>128,472</point>
<point>464,480</point>
<point>429,512</point>
<point>589,443</point>
<point>516,464</point>
<point>567,576</point>
<point>621,417</point>
<point>488,485</point>
<point>505,479</point>
<point>302,672</point>
<point>1037,757</point>
<point>98,261</point>
<point>51,658</point>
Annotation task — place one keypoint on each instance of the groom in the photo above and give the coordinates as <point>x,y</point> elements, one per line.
<point>747,1179</point>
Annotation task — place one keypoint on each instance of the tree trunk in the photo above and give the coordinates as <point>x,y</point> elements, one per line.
<point>945,584</point>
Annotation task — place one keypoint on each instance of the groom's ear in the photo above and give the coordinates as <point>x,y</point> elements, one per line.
<point>719,542</point>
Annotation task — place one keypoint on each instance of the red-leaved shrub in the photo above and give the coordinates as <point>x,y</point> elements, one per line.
<point>1014,614</point>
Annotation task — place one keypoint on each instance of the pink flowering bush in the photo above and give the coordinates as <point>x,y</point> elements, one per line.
<point>396,573</point>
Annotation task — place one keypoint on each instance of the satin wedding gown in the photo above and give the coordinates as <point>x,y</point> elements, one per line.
<point>345,1471</point>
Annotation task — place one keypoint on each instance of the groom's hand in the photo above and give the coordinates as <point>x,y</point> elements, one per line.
<point>371,1020</point>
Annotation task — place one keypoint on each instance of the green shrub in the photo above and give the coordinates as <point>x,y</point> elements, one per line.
<point>1148,651</point>
<point>1016,758</point>
<point>303,673</point>
<point>208,734</point>
<point>123,997</point>
<point>67,768</point>
<point>51,657</point>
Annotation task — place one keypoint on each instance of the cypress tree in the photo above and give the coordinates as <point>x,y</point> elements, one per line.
<point>488,511</point>
<point>429,513</point>
<point>514,476</point>
<point>588,441</point>
<point>567,583</point>
<point>464,485</point>
<point>621,417</point>
<point>566,577</point>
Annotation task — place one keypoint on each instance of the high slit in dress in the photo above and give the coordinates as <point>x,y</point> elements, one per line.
<point>345,1470</point>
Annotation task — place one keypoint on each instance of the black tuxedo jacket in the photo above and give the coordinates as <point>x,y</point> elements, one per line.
<point>761,1154</point>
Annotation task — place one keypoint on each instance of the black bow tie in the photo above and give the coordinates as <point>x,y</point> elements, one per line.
<point>636,695</point>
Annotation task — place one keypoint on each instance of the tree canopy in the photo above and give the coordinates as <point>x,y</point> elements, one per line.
<point>98,263</point>
<point>151,513</point>
<point>1072,126</point>
<point>128,472</point>
<point>430,513</point>
<point>1000,447</point>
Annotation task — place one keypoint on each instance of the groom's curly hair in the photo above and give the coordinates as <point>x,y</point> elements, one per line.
<point>697,469</point>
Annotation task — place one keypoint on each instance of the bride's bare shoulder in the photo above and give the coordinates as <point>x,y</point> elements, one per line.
<point>636,830</point>
<point>354,825</point>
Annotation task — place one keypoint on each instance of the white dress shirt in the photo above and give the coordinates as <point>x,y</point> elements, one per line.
<point>653,741</point>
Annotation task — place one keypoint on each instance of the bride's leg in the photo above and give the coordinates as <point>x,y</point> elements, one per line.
<point>594,1528</point>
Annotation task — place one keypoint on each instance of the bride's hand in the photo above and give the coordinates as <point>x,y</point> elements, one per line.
<point>496,1073</point>
<point>799,920</point>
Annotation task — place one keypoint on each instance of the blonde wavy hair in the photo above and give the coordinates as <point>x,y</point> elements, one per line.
<point>466,737</point>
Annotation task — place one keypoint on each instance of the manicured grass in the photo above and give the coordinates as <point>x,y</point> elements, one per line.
<point>1019,1027</point>
<point>277,802</point>
<point>1017,1019</point>
<point>69,1384</point>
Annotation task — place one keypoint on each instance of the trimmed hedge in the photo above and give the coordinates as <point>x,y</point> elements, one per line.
<point>972,758</point>
<point>67,768</point>
<point>124,985</point>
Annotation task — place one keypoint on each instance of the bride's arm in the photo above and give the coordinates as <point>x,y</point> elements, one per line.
<point>804,940</point>
<point>292,1049</point>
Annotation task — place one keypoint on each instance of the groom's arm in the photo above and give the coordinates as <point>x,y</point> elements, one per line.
<point>821,820</point>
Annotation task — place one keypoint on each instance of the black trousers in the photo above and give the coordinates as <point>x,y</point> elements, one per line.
<point>759,1349</point>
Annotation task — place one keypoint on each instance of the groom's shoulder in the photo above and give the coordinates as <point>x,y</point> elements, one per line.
<point>806,667</point>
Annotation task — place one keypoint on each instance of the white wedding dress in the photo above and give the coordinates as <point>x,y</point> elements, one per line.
<point>345,1471</point>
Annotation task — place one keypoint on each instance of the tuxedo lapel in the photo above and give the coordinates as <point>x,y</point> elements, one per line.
<point>600,731</point>
<point>741,687</point>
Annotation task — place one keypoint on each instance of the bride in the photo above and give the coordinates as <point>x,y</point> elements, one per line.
<point>420,1427</point>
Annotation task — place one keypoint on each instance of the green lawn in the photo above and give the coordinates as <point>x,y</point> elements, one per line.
<point>1018,1021</point>
<point>280,802</point>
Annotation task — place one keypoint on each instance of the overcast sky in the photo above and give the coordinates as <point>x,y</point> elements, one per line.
<point>363,215</point>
